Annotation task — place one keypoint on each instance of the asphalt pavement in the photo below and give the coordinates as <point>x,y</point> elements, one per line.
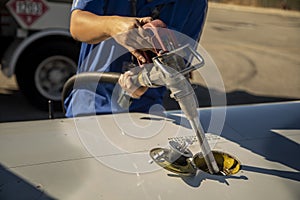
<point>254,59</point>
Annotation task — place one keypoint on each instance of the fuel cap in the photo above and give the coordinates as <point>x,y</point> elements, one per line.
<point>182,165</point>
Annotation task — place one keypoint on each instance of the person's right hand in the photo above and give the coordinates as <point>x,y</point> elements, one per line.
<point>128,32</point>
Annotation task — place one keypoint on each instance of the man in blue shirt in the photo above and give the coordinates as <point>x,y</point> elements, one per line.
<point>95,22</point>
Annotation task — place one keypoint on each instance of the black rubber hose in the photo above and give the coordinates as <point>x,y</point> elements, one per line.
<point>85,81</point>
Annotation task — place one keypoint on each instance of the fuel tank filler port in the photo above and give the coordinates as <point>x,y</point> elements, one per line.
<point>179,159</point>
<point>227,163</point>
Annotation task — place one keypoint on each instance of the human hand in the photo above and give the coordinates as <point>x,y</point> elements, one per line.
<point>128,32</point>
<point>127,83</point>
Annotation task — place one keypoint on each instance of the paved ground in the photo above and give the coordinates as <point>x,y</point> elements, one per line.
<point>256,52</point>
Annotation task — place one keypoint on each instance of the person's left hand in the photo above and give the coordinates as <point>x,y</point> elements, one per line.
<point>126,82</point>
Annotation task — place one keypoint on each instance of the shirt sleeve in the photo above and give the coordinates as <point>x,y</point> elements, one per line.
<point>94,6</point>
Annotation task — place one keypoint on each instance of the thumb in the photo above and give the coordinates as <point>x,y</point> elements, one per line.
<point>144,20</point>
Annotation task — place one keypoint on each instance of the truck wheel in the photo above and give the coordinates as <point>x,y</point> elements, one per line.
<point>42,72</point>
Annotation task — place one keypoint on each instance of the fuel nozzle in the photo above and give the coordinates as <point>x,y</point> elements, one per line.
<point>164,72</point>
<point>170,68</point>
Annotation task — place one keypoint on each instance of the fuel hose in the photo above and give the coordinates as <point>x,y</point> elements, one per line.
<point>85,79</point>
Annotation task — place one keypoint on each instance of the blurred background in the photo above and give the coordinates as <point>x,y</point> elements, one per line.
<point>282,4</point>
<point>254,43</point>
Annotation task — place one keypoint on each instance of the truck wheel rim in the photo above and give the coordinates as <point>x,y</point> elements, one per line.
<point>51,74</point>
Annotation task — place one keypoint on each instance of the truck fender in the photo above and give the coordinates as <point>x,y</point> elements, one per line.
<point>16,49</point>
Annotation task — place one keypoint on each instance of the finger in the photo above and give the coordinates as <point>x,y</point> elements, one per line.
<point>128,83</point>
<point>129,73</point>
<point>144,20</point>
<point>139,56</point>
<point>120,81</point>
<point>124,80</point>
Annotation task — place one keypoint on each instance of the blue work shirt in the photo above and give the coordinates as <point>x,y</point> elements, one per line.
<point>184,16</point>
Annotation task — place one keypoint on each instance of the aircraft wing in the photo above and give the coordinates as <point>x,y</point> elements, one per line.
<point>107,156</point>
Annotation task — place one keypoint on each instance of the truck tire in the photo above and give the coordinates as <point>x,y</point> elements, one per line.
<point>42,72</point>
